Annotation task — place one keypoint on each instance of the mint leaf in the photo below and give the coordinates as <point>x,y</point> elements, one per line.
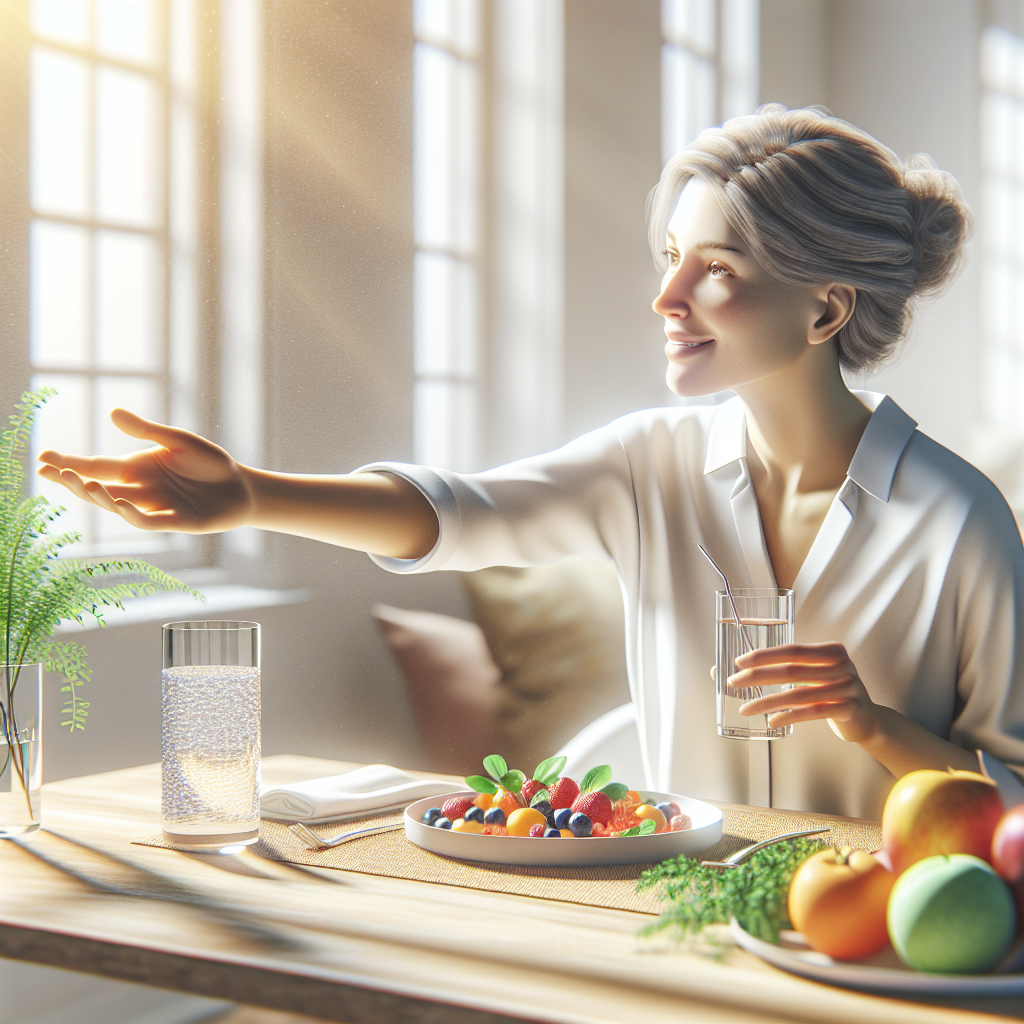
<point>548,771</point>
<point>494,765</point>
<point>541,794</point>
<point>513,780</point>
<point>481,784</point>
<point>615,791</point>
<point>596,778</point>
<point>645,828</point>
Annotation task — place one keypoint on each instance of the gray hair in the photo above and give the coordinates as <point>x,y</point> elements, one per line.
<point>818,200</point>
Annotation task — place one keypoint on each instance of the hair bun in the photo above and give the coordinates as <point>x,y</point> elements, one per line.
<point>941,224</point>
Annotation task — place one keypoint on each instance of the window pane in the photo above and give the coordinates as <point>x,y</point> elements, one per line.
<point>690,23</point>
<point>59,295</point>
<point>127,152</point>
<point>128,295</point>
<point>60,95</point>
<point>126,28</point>
<point>454,23</point>
<point>445,424</point>
<point>63,424</point>
<point>66,20</point>
<point>433,146</point>
<point>445,316</point>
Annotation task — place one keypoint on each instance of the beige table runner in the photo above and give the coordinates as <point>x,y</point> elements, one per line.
<point>392,854</point>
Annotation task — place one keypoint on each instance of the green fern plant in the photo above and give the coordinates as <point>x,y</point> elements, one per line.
<point>38,589</point>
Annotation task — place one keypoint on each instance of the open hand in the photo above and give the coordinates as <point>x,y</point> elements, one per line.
<point>826,685</point>
<point>184,483</point>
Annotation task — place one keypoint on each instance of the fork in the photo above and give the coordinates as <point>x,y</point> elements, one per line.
<point>312,841</point>
<point>736,859</point>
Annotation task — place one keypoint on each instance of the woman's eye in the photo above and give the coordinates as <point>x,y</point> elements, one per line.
<point>671,257</point>
<point>716,269</point>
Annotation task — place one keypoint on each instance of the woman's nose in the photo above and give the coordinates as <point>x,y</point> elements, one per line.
<point>674,297</point>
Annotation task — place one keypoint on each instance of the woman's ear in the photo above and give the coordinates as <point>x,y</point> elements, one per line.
<point>840,300</point>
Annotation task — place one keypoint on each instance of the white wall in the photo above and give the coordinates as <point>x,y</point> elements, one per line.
<point>907,73</point>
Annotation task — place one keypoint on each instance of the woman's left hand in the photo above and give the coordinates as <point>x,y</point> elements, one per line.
<point>825,685</point>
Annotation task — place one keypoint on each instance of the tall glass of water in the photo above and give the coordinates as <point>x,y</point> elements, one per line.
<point>766,620</point>
<point>211,733</point>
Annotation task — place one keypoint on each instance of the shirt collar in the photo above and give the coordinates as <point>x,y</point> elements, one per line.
<point>874,463</point>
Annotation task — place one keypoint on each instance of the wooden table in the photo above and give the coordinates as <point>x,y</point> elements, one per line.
<point>363,948</point>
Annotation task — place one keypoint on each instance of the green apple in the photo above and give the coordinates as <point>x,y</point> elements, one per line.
<point>952,915</point>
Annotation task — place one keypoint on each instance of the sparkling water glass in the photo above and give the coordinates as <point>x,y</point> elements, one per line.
<point>211,733</point>
<point>21,748</point>
<point>767,620</point>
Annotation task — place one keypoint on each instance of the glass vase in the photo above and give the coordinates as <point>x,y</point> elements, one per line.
<point>210,727</point>
<point>21,748</point>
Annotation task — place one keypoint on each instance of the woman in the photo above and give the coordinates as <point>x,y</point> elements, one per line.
<point>793,245</point>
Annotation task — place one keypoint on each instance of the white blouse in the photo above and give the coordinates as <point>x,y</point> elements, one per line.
<point>918,569</point>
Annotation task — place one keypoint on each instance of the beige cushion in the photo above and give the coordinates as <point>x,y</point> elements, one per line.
<point>557,634</point>
<point>452,683</point>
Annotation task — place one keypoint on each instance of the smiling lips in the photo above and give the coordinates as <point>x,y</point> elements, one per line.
<point>682,344</point>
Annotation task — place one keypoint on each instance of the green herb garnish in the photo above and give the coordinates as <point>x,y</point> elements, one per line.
<point>541,794</point>
<point>481,784</point>
<point>548,770</point>
<point>495,766</point>
<point>755,893</point>
<point>615,791</point>
<point>513,780</point>
<point>645,828</point>
<point>596,778</point>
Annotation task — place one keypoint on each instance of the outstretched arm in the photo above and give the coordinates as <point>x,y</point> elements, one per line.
<point>187,484</point>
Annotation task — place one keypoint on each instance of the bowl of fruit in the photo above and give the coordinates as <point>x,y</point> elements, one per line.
<point>500,816</point>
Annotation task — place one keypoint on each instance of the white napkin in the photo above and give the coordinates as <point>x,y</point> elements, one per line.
<point>376,787</point>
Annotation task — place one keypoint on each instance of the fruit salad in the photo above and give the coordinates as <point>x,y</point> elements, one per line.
<point>550,805</point>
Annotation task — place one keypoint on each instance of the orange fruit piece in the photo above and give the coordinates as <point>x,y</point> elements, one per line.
<point>483,800</point>
<point>646,812</point>
<point>507,801</point>
<point>522,819</point>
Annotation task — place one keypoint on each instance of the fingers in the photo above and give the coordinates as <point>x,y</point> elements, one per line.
<point>163,520</point>
<point>830,653</point>
<point>94,467</point>
<point>798,696</point>
<point>808,713</point>
<point>777,675</point>
<point>133,425</point>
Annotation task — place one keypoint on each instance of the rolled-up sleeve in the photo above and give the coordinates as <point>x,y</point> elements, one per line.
<point>577,500</point>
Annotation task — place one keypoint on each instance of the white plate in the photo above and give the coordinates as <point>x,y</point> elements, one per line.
<point>883,972</point>
<point>706,831</point>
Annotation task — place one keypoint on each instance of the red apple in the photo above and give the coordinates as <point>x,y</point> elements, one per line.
<point>931,812</point>
<point>1008,845</point>
<point>1008,854</point>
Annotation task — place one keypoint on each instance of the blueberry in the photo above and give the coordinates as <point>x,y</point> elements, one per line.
<point>562,816</point>
<point>442,822</point>
<point>474,814</point>
<point>669,810</point>
<point>580,825</point>
<point>494,816</point>
<point>552,833</point>
<point>544,807</point>
<point>431,816</point>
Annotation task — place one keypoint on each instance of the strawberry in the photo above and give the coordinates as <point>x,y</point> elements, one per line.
<point>455,807</point>
<point>536,831</point>
<point>563,792</point>
<point>596,806</point>
<point>531,787</point>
